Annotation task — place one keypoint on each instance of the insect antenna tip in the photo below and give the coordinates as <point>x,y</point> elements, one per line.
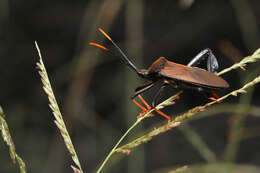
<point>98,45</point>
<point>105,34</point>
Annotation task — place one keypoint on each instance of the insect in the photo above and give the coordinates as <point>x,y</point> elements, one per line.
<point>168,73</point>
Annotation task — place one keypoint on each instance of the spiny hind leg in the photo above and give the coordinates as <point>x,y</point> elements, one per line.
<point>205,55</point>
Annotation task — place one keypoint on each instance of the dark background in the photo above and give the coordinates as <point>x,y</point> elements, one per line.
<point>93,89</point>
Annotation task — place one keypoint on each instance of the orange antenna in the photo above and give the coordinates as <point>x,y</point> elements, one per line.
<point>98,45</point>
<point>125,58</point>
<point>105,34</point>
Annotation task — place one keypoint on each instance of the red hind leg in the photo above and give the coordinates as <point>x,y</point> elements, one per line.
<point>164,115</point>
<point>145,103</point>
<point>144,110</point>
<point>148,108</point>
<point>215,97</point>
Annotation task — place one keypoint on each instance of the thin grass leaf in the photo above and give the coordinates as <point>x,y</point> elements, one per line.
<point>249,59</point>
<point>146,138</point>
<point>8,140</point>
<point>55,108</point>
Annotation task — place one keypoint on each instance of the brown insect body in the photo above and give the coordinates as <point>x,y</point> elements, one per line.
<point>181,76</point>
<point>177,75</point>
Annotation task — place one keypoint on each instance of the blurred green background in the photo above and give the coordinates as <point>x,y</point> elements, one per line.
<point>93,88</point>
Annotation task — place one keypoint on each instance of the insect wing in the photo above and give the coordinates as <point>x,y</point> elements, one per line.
<point>192,75</point>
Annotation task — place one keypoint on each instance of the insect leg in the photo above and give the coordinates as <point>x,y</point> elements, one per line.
<point>215,97</point>
<point>144,102</point>
<point>212,95</point>
<point>142,89</point>
<point>156,96</point>
<point>140,106</point>
<point>164,115</point>
<point>206,54</point>
<point>149,108</point>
